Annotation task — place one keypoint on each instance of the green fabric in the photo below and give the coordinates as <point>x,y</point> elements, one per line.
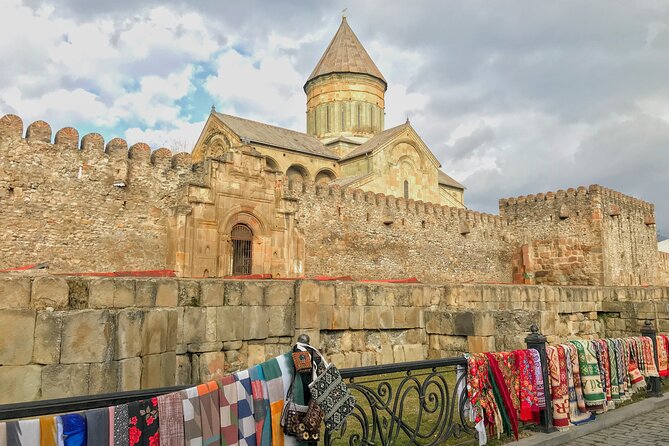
<point>500,403</point>
<point>613,366</point>
<point>591,381</point>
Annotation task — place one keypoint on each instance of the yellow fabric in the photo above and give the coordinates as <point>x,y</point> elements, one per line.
<point>48,431</point>
<point>275,410</point>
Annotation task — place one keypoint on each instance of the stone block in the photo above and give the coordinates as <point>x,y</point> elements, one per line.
<point>252,294</point>
<point>307,315</point>
<point>256,354</point>
<point>414,352</point>
<point>386,317</point>
<point>484,323</point>
<point>232,345</point>
<point>256,322</point>
<point>338,359</point>
<point>279,293</point>
<point>87,337</point>
<point>129,374</point>
<point>103,377</point>
<point>343,294</point>
<point>212,366</point>
<point>308,291</point>
<point>340,318</point>
<point>327,294</point>
<point>385,355</point>
<point>151,372</point>
<point>352,359</point>
<point>17,334</point>
<point>480,344</point>
<point>360,295</point>
<point>49,292</point>
<point>101,293</point>
<point>326,316</point>
<point>183,373</point>
<point>281,321</point>
<point>464,323</point>
<point>168,369</point>
<point>201,347</point>
<point>195,325</point>
<point>172,329</point>
<point>372,318</point>
<point>439,322</point>
<point>154,333</point>
<point>212,293</point>
<point>145,293</point>
<point>14,292</point>
<point>129,341</point>
<point>189,293</point>
<point>48,329</point>
<point>233,293</point>
<point>368,358</point>
<point>230,323</point>
<point>124,293</point>
<point>356,317</point>
<point>211,334</point>
<point>61,380</point>
<point>167,293</point>
<point>30,377</point>
<point>398,353</point>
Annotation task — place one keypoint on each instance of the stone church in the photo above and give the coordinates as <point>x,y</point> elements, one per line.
<point>346,141</point>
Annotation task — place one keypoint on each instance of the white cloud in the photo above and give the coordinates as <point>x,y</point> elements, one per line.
<point>181,138</point>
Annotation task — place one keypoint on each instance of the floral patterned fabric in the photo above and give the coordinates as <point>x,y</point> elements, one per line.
<point>143,424</point>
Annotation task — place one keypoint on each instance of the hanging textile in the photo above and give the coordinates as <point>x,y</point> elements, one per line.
<point>287,374</point>
<point>559,389</point>
<point>121,425</point>
<point>3,434</point>
<point>192,420</point>
<point>576,376</point>
<point>48,431</point>
<point>247,426</point>
<point>143,423</point>
<point>275,393</point>
<point>111,413</point>
<point>591,380</point>
<point>97,426</point>
<point>662,355</point>
<point>23,433</point>
<point>260,412</point>
<point>171,426</point>
<point>209,413</point>
<point>74,429</point>
<point>576,416</point>
<point>227,395</point>
<point>528,390</point>
<point>649,358</point>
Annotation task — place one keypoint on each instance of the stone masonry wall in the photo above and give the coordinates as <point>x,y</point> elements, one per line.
<point>663,270</point>
<point>84,206</point>
<point>65,336</point>
<point>373,236</point>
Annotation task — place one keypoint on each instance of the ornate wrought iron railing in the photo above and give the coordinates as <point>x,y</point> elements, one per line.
<point>413,403</point>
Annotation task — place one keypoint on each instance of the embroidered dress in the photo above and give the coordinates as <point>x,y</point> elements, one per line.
<point>24,433</point>
<point>247,425</point>
<point>591,380</point>
<point>143,423</point>
<point>121,425</point>
<point>227,395</point>
<point>192,420</point>
<point>209,413</point>
<point>48,432</point>
<point>275,393</point>
<point>97,426</point>
<point>171,426</point>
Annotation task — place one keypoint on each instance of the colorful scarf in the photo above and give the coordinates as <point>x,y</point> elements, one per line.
<point>192,420</point>
<point>275,393</point>
<point>247,425</point>
<point>227,396</point>
<point>97,426</point>
<point>504,390</point>
<point>538,378</point>
<point>662,357</point>
<point>637,379</point>
<point>591,380</point>
<point>74,429</point>
<point>572,362</point>
<point>613,370</point>
<point>48,432</point>
<point>143,423</point>
<point>121,425</point>
<point>649,357</point>
<point>557,369</point>
<point>259,410</point>
<point>576,415</point>
<point>23,433</point>
<point>171,427</point>
<point>480,393</point>
<point>528,389</point>
<point>287,373</point>
<point>209,411</point>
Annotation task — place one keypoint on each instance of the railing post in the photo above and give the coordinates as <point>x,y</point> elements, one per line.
<point>537,341</point>
<point>654,383</point>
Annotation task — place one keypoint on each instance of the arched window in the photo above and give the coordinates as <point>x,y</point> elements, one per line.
<point>406,189</point>
<point>242,249</point>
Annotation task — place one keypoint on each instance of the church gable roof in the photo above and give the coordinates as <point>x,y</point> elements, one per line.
<point>345,54</point>
<point>447,180</point>
<point>279,137</point>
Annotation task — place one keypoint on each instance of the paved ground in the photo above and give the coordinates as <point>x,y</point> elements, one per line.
<point>647,429</point>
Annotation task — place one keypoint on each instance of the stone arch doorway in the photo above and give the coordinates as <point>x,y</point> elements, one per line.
<point>242,250</point>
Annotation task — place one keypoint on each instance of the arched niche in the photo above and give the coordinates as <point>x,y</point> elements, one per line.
<point>297,172</point>
<point>271,164</point>
<point>324,176</point>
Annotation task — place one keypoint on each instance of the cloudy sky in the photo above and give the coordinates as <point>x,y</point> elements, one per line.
<point>514,97</point>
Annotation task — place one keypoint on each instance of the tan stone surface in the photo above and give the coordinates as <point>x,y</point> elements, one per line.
<point>61,381</point>
<point>17,330</point>
<point>168,369</point>
<point>129,324</point>
<point>195,325</point>
<point>183,372</point>
<point>20,383</point>
<point>151,371</point>
<point>213,293</point>
<point>154,332</point>
<point>103,377</point>
<point>230,323</point>
<point>49,292</point>
<point>256,322</point>
<point>279,293</point>
<point>87,336</point>
<point>14,292</point>
<point>48,330</point>
<point>281,321</point>
<point>166,293</point>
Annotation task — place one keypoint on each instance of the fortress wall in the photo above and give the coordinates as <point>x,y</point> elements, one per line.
<point>373,236</point>
<point>66,336</point>
<point>83,205</point>
<point>663,270</point>
<point>629,239</point>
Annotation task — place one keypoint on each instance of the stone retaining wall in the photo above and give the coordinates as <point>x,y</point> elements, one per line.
<point>65,336</point>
